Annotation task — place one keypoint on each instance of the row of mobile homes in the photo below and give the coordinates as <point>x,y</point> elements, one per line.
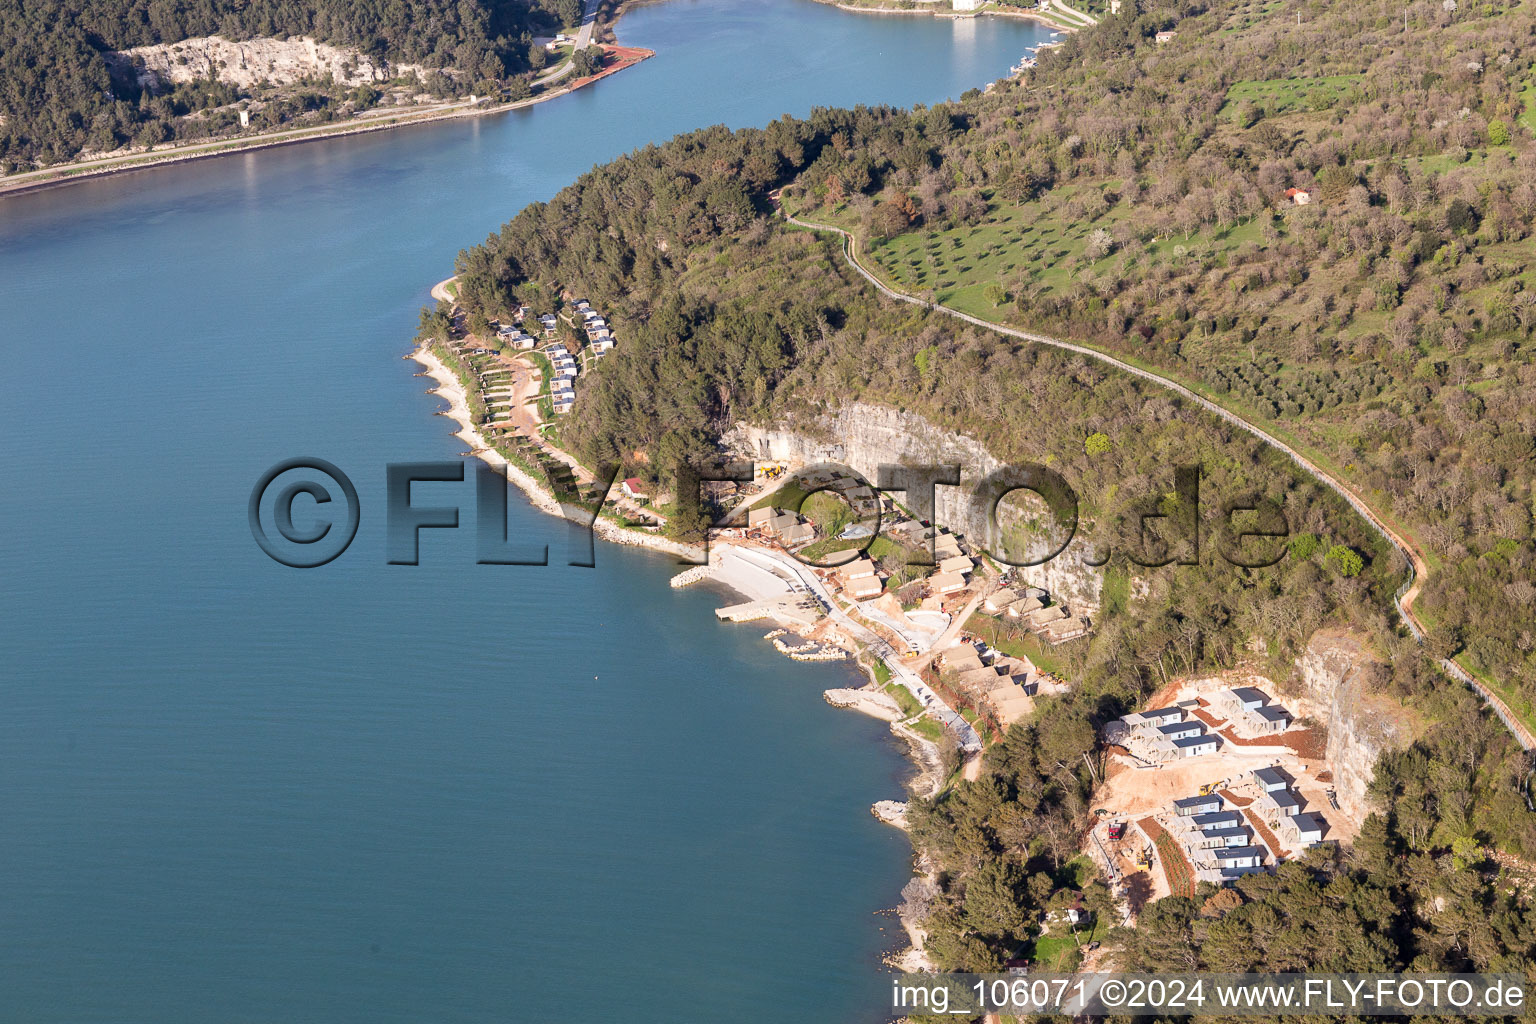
<point>1251,712</point>
<point>1162,734</point>
<point>515,338</point>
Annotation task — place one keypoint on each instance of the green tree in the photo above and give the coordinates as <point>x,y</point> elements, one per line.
<point>1345,561</point>
<point>1304,545</point>
<point>1498,133</point>
<point>433,324</point>
<point>1098,443</point>
<point>587,62</point>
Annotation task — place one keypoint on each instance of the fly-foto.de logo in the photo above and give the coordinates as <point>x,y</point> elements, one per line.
<point>305,512</point>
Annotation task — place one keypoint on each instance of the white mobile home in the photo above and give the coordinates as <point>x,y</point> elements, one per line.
<point>1272,780</point>
<point>1190,806</point>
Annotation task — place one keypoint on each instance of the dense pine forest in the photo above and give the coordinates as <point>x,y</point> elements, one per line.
<point>1318,213</point>
<point>57,98</point>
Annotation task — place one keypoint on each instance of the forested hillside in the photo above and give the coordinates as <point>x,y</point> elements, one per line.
<point>1134,195</point>
<point>56,97</point>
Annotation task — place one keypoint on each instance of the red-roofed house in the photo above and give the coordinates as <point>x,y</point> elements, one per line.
<point>1299,196</point>
<point>634,488</point>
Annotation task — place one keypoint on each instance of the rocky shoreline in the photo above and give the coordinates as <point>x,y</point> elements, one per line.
<point>868,699</point>
<point>450,390</point>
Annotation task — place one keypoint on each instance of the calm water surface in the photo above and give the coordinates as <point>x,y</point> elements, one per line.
<point>231,791</point>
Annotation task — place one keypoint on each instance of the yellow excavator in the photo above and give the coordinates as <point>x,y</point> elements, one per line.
<point>1209,788</point>
<point>1145,860</point>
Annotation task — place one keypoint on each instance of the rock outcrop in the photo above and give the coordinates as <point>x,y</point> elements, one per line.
<point>865,436</point>
<point>248,63</point>
<point>1335,675</point>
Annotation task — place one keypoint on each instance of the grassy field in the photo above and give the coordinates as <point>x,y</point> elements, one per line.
<point>1027,646</point>
<point>903,696</point>
<point>1274,96</point>
<point>787,496</point>
<point>1037,246</point>
<point>928,729</point>
<point>1049,950</point>
<point>879,548</point>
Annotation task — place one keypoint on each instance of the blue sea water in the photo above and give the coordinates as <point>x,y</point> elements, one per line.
<point>234,791</point>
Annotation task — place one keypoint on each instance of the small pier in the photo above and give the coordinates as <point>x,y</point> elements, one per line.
<point>796,607</point>
<point>689,577</point>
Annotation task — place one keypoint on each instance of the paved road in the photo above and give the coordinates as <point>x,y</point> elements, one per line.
<point>581,41</point>
<point>358,123</point>
<point>957,624</point>
<point>1418,567</point>
<point>1087,19</point>
<point>588,25</point>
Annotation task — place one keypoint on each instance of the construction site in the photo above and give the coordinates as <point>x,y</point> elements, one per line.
<point>1215,780</point>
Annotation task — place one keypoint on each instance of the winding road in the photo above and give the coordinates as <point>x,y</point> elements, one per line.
<point>1418,566</point>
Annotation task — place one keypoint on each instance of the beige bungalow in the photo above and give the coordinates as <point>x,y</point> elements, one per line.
<point>983,679</point>
<point>857,568</point>
<point>961,658</point>
<point>1041,616</point>
<point>1022,607</point>
<point>865,587</point>
<point>956,563</point>
<point>1065,628</point>
<point>799,533</point>
<point>998,600</point>
<point>776,526</point>
<point>947,582</point>
<point>1010,703</point>
<point>759,518</point>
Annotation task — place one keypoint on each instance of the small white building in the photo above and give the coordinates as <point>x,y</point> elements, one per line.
<point>1304,830</point>
<point>1189,806</point>
<point>1220,838</point>
<point>1217,820</point>
<point>1271,718</point>
<point>1272,780</point>
<point>1196,746</point>
<point>1244,698</point>
<point>1278,806</point>
<point>1238,857</point>
<point>1154,717</point>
